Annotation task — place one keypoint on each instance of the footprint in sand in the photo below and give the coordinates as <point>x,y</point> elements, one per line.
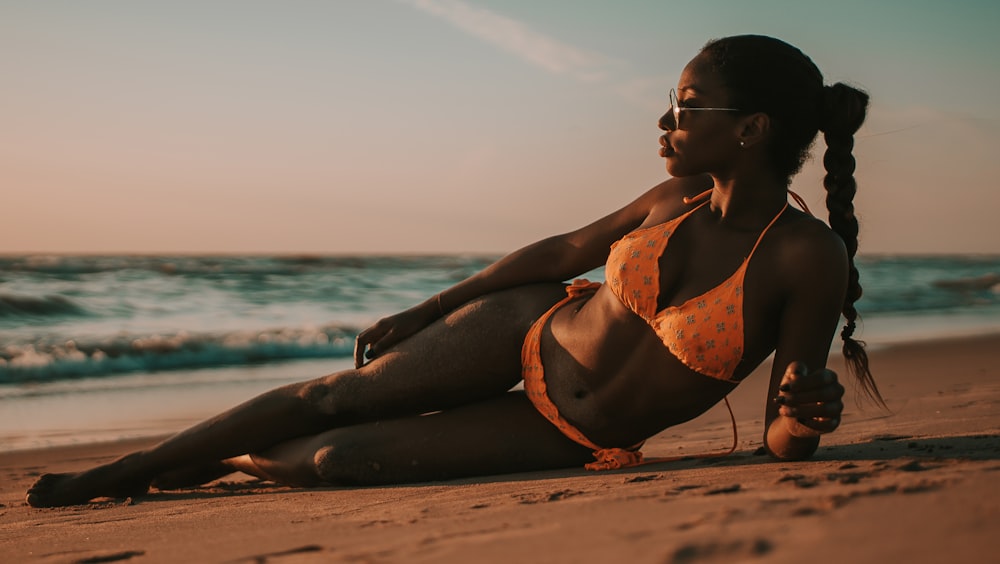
<point>643,478</point>
<point>685,487</point>
<point>724,489</point>
<point>829,503</point>
<point>528,499</point>
<point>292,552</point>
<point>799,480</point>
<point>923,486</point>
<point>916,466</point>
<point>110,557</point>
<point>848,477</point>
<point>728,551</point>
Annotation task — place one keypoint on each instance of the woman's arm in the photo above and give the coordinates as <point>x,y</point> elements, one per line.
<point>554,259</point>
<point>562,257</point>
<point>804,397</point>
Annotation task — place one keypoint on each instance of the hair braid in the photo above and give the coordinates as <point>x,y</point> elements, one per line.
<point>842,113</point>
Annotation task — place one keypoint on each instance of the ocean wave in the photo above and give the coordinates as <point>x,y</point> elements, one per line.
<point>41,361</point>
<point>71,267</point>
<point>15,305</point>
<point>933,284</point>
<point>986,282</point>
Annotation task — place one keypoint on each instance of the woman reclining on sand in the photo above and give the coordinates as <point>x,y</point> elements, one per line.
<point>707,274</point>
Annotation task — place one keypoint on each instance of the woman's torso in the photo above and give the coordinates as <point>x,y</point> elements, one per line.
<point>611,374</point>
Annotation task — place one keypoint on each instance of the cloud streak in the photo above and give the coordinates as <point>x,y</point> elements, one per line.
<point>518,39</point>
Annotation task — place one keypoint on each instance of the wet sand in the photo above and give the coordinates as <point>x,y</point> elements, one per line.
<point>918,484</point>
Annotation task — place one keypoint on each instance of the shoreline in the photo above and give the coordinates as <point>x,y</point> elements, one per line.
<point>102,410</point>
<point>916,483</point>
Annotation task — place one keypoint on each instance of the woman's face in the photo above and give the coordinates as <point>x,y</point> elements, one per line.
<point>704,141</point>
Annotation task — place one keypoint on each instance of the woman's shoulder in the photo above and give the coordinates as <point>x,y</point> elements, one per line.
<point>805,231</point>
<point>805,242</point>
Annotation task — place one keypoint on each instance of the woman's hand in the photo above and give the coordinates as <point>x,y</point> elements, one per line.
<point>390,330</point>
<point>813,399</point>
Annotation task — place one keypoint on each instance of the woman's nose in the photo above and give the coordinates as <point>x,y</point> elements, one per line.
<point>666,122</point>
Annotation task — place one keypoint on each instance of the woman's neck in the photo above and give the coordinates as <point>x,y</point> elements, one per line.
<point>742,201</point>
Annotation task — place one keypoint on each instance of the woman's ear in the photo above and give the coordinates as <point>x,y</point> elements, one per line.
<point>754,129</point>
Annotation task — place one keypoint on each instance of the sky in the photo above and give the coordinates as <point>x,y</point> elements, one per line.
<point>449,126</point>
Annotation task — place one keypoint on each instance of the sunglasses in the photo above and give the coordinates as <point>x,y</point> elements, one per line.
<point>676,110</point>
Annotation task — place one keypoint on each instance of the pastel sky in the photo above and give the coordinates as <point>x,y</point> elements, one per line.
<point>427,126</point>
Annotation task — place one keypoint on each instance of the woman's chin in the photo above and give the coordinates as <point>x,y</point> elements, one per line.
<point>673,169</point>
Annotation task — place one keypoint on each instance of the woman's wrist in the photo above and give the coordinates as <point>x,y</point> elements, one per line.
<point>433,308</point>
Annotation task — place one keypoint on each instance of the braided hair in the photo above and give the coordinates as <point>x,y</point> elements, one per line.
<point>764,74</point>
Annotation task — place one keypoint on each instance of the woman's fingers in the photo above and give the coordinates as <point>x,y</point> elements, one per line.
<point>812,398</point>
<point>821,424</point>
<point>812,410</point>
<point>365,343</point>
<point>386,333</point>
<point>360,344</point>
<point>828,392</point>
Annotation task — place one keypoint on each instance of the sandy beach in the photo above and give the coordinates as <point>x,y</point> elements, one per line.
<point>918,484</point>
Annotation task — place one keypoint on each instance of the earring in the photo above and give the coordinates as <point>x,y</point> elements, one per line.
<point>742,144</point>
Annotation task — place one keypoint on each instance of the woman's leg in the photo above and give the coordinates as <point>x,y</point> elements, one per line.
<point>495,436</point>
<point>471,354</point>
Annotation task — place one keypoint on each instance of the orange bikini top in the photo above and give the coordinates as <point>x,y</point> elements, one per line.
<point>705,332</point>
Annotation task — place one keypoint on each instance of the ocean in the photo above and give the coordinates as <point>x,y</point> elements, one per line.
<point>101,347</point>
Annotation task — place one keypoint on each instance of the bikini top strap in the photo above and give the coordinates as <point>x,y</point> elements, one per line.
<point>798,200</point>
<point>697,198</point>
<point>801,203</point>
<point>764,232</point>
<point>703,198</point>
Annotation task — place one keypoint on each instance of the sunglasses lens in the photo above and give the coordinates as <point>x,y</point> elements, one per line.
<point>670,119</point>
<point>676,107</point>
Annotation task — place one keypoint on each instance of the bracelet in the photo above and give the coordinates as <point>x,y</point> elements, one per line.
<point>437,298</point>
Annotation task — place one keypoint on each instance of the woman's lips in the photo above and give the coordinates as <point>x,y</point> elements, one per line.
<point>665,149</point>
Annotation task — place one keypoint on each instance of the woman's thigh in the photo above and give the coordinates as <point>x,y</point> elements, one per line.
<point>471,354</point>
<point>496,436</point>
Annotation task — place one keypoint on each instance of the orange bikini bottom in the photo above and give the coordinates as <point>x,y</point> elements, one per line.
<point>534,387</point>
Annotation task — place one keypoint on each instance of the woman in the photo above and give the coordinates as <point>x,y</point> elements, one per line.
<point>670,334</point>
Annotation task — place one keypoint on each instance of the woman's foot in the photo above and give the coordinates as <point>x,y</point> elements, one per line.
<point>115,479</point>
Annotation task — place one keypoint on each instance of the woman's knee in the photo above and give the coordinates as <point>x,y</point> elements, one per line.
<point>329,397</point>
